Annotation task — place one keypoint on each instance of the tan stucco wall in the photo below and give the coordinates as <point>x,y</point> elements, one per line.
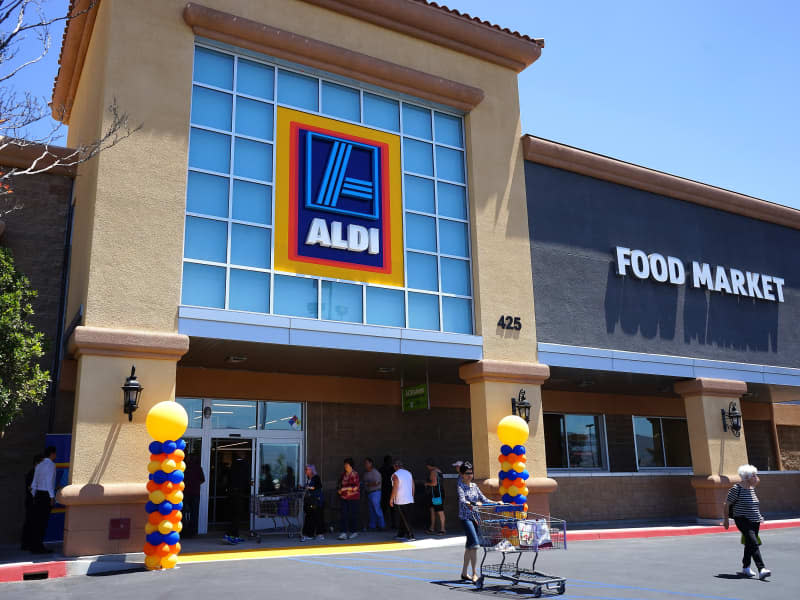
<point>714,451</point>
<point>133,266</point>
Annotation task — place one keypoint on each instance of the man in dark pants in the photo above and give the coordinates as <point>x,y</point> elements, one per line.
<point>386,471</point>
<point>238,490</point>
<point>26,527</point>
<point>43,489</point>
<point>193,479</point>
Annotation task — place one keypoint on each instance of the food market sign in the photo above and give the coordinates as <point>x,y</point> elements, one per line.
<point>715,278</point>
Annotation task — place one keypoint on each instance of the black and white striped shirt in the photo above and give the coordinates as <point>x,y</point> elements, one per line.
<point>745,503</point>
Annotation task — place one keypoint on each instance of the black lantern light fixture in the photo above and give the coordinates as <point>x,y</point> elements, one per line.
<point>521,406</point>
<point>131,392</point>
<point>732,419</point>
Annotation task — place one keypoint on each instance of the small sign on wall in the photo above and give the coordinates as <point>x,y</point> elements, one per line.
<point>415,397</point>
<point>119,529</point>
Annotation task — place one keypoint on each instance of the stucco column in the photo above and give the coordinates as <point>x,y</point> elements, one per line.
<point>716,454</point>
<point>108,469</point>
<point>492,384</point>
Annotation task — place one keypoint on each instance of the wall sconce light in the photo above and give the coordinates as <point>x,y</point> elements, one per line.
<point>131,392</point>
<point>732,418</point>
<point>522,406</point>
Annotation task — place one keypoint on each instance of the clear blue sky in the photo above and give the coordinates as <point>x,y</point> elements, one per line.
<point>707,90</point>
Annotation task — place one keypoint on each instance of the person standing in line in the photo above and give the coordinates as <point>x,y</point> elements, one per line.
<point>193,479</point>
<point>26,527</point>
<point>434,496</point>
<point>43,491</point>
<point>386,471</point>
<point>401,500</point>
<point>350,495</point>
<point>238,494</point>
<point>313,525</point>
<point>372,484</point>
<point>469,494</point>
<point>747,516</point>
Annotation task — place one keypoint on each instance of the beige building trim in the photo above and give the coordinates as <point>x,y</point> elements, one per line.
<point>557,155</point>
<point>504,371</point>
<point>22,157</point>
<point>445,28</point>
<point>107,493</point>
<point>703,386</point>
<point>99,341</point>
<point>230,29</point>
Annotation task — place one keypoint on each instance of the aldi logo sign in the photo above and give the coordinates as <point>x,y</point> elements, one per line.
<point>338,202</point>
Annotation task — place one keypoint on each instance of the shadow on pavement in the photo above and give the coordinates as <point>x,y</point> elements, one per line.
<point>497,591</point>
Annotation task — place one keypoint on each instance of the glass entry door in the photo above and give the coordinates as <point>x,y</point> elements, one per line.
<point>230,482</point>
<point>277,474</point>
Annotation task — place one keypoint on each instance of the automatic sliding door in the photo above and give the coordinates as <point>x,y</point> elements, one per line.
<point>277,474</point>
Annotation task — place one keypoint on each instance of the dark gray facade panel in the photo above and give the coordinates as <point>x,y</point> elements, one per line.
<point>577,221</point>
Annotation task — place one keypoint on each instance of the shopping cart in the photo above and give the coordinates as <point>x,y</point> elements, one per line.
<point>509,533</point>
<point>283,510</point>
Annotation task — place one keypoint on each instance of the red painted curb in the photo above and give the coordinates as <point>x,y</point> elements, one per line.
<point>18,571</point>
<point>580,536</point>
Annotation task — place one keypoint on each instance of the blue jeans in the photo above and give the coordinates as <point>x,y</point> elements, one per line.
<point>473,541</point>
<point>350,511</point>
<point>375,512</point>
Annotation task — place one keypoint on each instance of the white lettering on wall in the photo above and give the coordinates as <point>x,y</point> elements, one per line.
<point>358,238</point>
<point>714,278</point>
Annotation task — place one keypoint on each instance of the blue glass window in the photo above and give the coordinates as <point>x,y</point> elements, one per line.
<point>210,151</point>
<point>386,307</point>
<point>203,285</point>
<point>206,239</point>
<point>448,129</point>
<point>211,108</point>
<point>249,291</point>
<point>381,112</point>
<point>342,302</point>
<point>250,246</point>
<point>207,194</point>
<point>252,202</point>
<point>450,164</point>
<point>419,194</point>
<point>455,276</point>
<point>252,160</point>
<point>421,271</point>
<point>298,90</point>
<point>254,118</point>
<point>457,315</point>
<point>213,68</point>
<point>453,238</point>
<point>418,157</point>
<point>295,296</point>
<point>417,121</point>
<point>420,232</point>
<point>254,79</point>
<point>340,101</point>
<point>423,311</point>
<point>452,200</point>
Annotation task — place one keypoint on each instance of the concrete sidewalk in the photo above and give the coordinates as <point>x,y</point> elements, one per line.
<point>16,565</point>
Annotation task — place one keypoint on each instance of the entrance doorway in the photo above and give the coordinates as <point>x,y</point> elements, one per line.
<point>230,477</point>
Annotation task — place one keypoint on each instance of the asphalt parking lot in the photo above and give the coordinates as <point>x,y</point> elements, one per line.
<point>693,567</point>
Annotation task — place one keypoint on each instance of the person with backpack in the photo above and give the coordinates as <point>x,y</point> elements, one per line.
<point>742,506</point>
<point>434,496</point>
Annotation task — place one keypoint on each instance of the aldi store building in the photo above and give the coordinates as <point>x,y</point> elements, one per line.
<point>331,201</point>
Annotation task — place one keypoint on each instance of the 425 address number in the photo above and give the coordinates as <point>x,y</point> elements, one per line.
<point>509,322</point>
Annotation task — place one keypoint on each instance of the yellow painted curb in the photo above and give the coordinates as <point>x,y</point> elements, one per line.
<point>200,557</point>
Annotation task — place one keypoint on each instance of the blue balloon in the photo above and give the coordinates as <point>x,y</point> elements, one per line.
<point>508,498</point>
<point>178,506</point>
<point>165,508</point>
<point>519,499</point>
<point>524,475</point>
<point>155,538</point>
<point>155,447</point>
<point>172,538</point>
<point>176,476</point>
<point>505,449</point>
<point>519,450</point>
<point>181,444</point>
<point>501,475</point>
<point>169,447</point>
<point>150,507</point>
<point>160,477</point>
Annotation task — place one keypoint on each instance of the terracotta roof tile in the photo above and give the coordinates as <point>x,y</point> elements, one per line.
<point>538,41</point>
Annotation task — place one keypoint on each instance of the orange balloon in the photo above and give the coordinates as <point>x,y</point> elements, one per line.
<point>167,487</point>
<point>525,506</point>
<point>177,456</point>
<point>502,458</point>
<point>155,518</point>
<point>181,486</point>
<point>522,458</point>
<point>152,486</point>
<point>158,457</point>
<point>149,549</point>
<point>174,516</point>
<point>162,550</point>
<point>512,458</point>
<point>175,548</point>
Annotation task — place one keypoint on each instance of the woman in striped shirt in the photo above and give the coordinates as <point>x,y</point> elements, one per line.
<point>742,497</point>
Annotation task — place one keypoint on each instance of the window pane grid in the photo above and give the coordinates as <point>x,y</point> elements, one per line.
<point>433,129</point>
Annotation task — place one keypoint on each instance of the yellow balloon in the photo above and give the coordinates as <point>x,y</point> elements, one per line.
<point>179,454</point>
<point>175,497</point>
<point>505,466</point>
<point>165,527</point>
<point>519,467</point>
<point>166,421</point>
<point>178,527</point>
<point>153,466</point>
<point>149,528</point>
<point>157,497</point>
<point>503,490</point>
<point>513,431</point>
<point>513,490</point>
<point>169,561</point>
<point>182,466</point>
<point>168,466</point>
<point>152,562</point>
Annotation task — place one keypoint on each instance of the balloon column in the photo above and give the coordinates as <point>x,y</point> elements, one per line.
<point>513,433</point>
<point>166,423</point>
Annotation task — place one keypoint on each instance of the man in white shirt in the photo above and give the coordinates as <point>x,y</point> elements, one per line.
<point>43,489</point>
